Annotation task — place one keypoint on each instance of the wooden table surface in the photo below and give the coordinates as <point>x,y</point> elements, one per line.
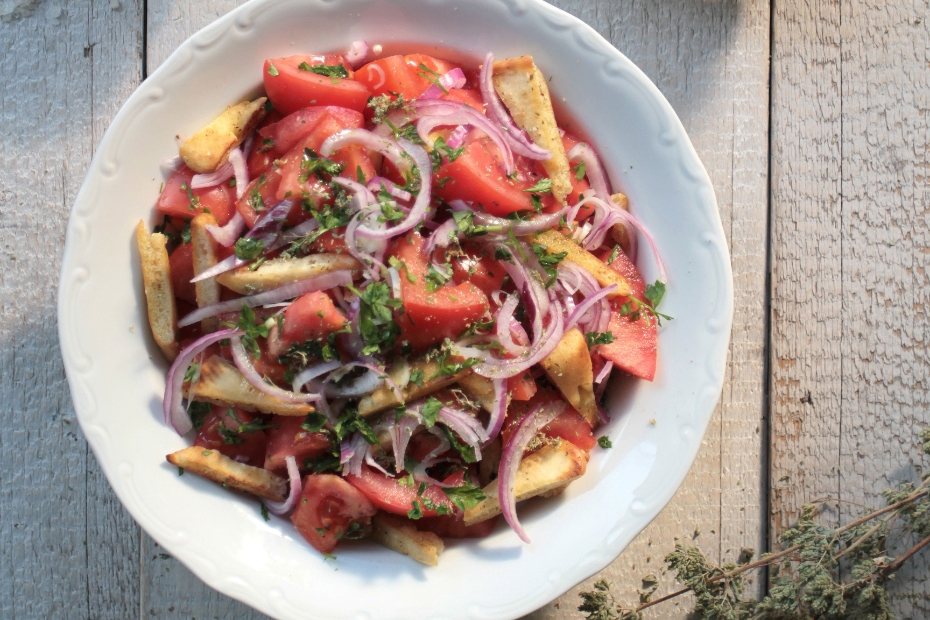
<point>812,120</point>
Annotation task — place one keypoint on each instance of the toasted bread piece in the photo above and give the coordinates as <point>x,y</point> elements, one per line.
<point>385,398</point>
<point>523,89</point>
<point>555,242</point>
<point>159,297</point>
<point>223,470</point>
<point>569,369</point>
<point>221,383</point>
<point>552,466</point>
<point>209,148</point>
<point>618,232</point>
<point>204,250</point>
<point>480,389</point>
<point>401,535</point>
<point>280,271</point>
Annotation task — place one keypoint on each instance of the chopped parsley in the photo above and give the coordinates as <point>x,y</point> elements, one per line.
<point>542,186</point>
<point>255,199</point>
<point>192,373</point>
<point>252,331</point>
<point>430,411</point>
<point>382,105</point>
<point>595,338</point>
<point>465,222</point>
<point>314,422</point>
<point>446,368</point>
<point>416,377</point>
<point>198,411</point>
<point>604,442</point>
<point>613,254</point>
<point>466,496</point>
<point>272,70</point>
<point>548,262</point>
<point>331,71</point>
<point>323,168</point>
<point>248,248</point>
<point>377,327</point>
<point>432,77</point>
<point>436,278</point>
<point>466,451</point>
<point>579,169</point>
<point>186,232</point>
<point>265,512</point>
<point>653,294</point>
<point>441,149</point>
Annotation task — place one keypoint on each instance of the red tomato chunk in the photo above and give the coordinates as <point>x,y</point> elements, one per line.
<point>294,88</point>
<point>329,509</point>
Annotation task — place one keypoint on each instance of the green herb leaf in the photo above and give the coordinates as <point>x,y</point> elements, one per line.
<point>604,442</point>
<point>548,262</point>
<point>542,186</point>
<point>272,70</point>
<point>248,248</point>
<point>595,338</point>
<point>331,71</point>
<point>430,410</point>
<point>466,496</point>
<point>579,169</point>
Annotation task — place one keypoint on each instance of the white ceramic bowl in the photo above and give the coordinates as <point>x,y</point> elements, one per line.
<point>117,375</point>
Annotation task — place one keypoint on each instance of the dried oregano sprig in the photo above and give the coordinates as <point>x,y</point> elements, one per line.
<point>821,573</point>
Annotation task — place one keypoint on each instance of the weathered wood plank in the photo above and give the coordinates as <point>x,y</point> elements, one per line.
<point>711,62</point>
<point>66,67</point>
<point>849,194</point>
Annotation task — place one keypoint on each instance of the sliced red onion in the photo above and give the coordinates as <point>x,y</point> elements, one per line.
<point>503,324</point>
<point>592,168</point>
<point>371,462</point>
<point>520,228</point>
<point>512,455</point>
<point>394,279</point>
<point>288,291</point>
<point>400,437</point>
<point>374,185</point>
<point>358,52</point>
<point>605,372</point>
<point>399,153</point>
<point>173,403</point>
<point>361,386</point>
<point>293,475</point>
<point>498,409</point>
<point>539,350</point>
<point>441,237</point>
<point>172,164</point>
<point>465,426</point>
<point>244,363</point>
<point>519,141</point>
<point>227,235</point>
<point>457,137</point>
<point>353,457</point>
<point>440,112</point>
<point>419,472</point>
<point>310,373</point>
<point>267,229</point>
<point>452,80</point>
<point>631,221</point>
<point>373,266</point>
<point>240,169</point>
<point>589,302</point>
<point>212,179</point>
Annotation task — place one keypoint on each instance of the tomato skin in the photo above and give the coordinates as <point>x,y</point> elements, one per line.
<point>453,526</point>
<point>251,451</point>
<point>175,201</point>
<point>400,74</point>
<point>310,317</point>
<point>429,318</point>
<point>327,508</point>
<point>331,242</point>
<point>467,96</point>
<point>388,495</point>
<point>181,264</point>
<point>569,425</point>
<point>293,88</point>
<point>476,267</point>
<point>477,176</point>
<point>635,345</point>
<point>522,387</point>
<point>288,439</point>
<point>261,193</point>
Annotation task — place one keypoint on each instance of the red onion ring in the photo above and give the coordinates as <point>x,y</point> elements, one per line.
<point>310,373</point>
<point>240,169</point>
<point>400,437</point>
<point>228,234</point>
<point>374,185</point>
<point>589,301</point>
<point>212,179</point>
<point>288,291</point>
<point>592,168</point>
<point>363,385</point>
<point>173,403</point>
<point>434,113</point>
<point>419,472</point>
<point>399,153</point>
<point>371,462</point>
<point>352,454</point>
<point>519,141</point>
<point>394,279</point>
<point>498,409</point>
<point>465,426</point>
<point>605,372</point>
<point>267,229</point>
<point>244,364</point>
<point>457,137</point>
<point>358,52</point>
<point>504,326</point>
<point>381,76</point>
<point>293,475</point>
<point>512,455</point>
<point>454,79</point>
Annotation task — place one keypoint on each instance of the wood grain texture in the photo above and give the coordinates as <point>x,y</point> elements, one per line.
<point>66,68</point>
<point>67,548</point>
<point>711,61</point>
<point>849,199</point>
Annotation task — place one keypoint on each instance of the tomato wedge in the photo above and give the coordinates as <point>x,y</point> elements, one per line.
<point>221,432</point>
<point>431,317</point>
<point>178,200</point>
<point>570,425</point>
<point>181,264</point>
<point>287,438</point>
<point>291,88</point>
<point>310,317</point>
<point>389,495</point>
<point>402,75</point>
<point>328,511</point>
